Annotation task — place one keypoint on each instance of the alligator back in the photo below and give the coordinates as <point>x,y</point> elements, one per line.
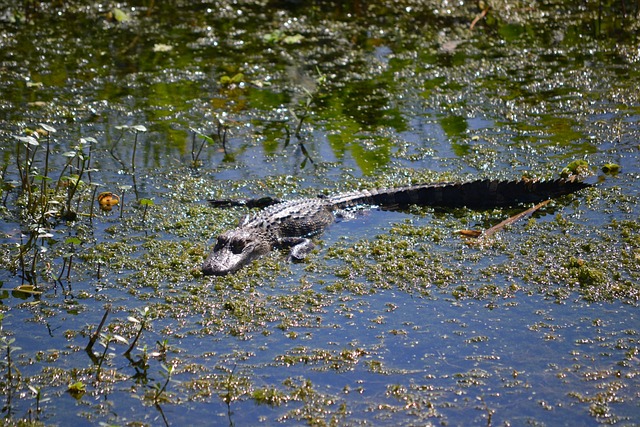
<point>475,194</point>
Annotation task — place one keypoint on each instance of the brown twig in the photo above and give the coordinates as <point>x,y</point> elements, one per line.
<point>479,17</point>
<point>483,235</point>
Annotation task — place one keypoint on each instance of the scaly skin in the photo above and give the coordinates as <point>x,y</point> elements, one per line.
<point>291,224</point>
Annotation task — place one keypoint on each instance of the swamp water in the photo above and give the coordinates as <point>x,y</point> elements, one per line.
<point>394,319</point>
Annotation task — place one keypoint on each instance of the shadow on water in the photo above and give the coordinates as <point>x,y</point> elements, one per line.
<point>119,122</point>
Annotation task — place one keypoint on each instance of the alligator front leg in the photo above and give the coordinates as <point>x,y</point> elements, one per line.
<point>300,247</point>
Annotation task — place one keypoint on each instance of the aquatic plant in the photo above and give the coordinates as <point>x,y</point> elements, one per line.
<point>220,136</point>
<point>145,203</point>
<point>144,314</point>
<point>96,334</point>
<point>10,379</point>
<point>136,129</point>
<point>41,206</point>
<point>68,256</point>
<point>158,389</point>
<point>73,181</point>
<point>124,189</point>
<point>77,389</point>
<point>196,151</point>
<point>25,169</point>
<point>37,392</point>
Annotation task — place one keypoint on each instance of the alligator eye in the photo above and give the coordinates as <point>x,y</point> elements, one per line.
<point>237,245</point>
<point>222,241</point>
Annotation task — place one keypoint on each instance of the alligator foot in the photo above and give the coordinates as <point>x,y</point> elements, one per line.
<point>300,247</point>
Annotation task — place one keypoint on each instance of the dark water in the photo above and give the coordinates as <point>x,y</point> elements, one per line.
<point>394,320</point>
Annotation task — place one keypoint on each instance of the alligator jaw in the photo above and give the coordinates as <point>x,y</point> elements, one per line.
<point>234,250</point>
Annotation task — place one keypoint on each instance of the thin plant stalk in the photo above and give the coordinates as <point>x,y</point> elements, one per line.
<point>66,166</point>
<point>32,160</point>
<point>169,370</point>
<point>136,338</point>
<point>122,203</point>
<point>196,156</point>
<point>45,173</point>
<point>93,200</point>
<point>96,334</point>
<point>20,171</point>
<point>102,358</point>
<point>64,266</point>
<point>133,155</point>
<point>44,186</point>
<point>32,273</point>
<point>72,190</point>
<point>69,267</point>
<point>21,258</point>
<point>222,135</point>
<point>24,248</point>
<point>24,174</point>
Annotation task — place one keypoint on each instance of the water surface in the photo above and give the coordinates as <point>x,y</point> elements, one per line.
<point>394,320</point>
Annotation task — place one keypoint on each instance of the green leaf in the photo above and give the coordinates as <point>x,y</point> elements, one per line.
<point>119,15</point>
<point>238,78</point>
<point>44,234</point>
<point>27,140</point>
<point>293,39</point>
<point>77,387</point>
<point>273,37</point>
<point>25,289</point>
<point>120,339</point>
<point>72,179</point>
<point>611,168</point>
<point>73,240</point>
<point>47,127</point>
<point>205,137</point>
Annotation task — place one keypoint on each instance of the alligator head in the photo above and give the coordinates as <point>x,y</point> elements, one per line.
<point>235,249</point>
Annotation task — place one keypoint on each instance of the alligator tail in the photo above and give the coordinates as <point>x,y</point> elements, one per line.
<point>482,194</point>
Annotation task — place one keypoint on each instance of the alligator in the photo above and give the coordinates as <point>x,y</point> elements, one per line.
<point>291,224</point>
